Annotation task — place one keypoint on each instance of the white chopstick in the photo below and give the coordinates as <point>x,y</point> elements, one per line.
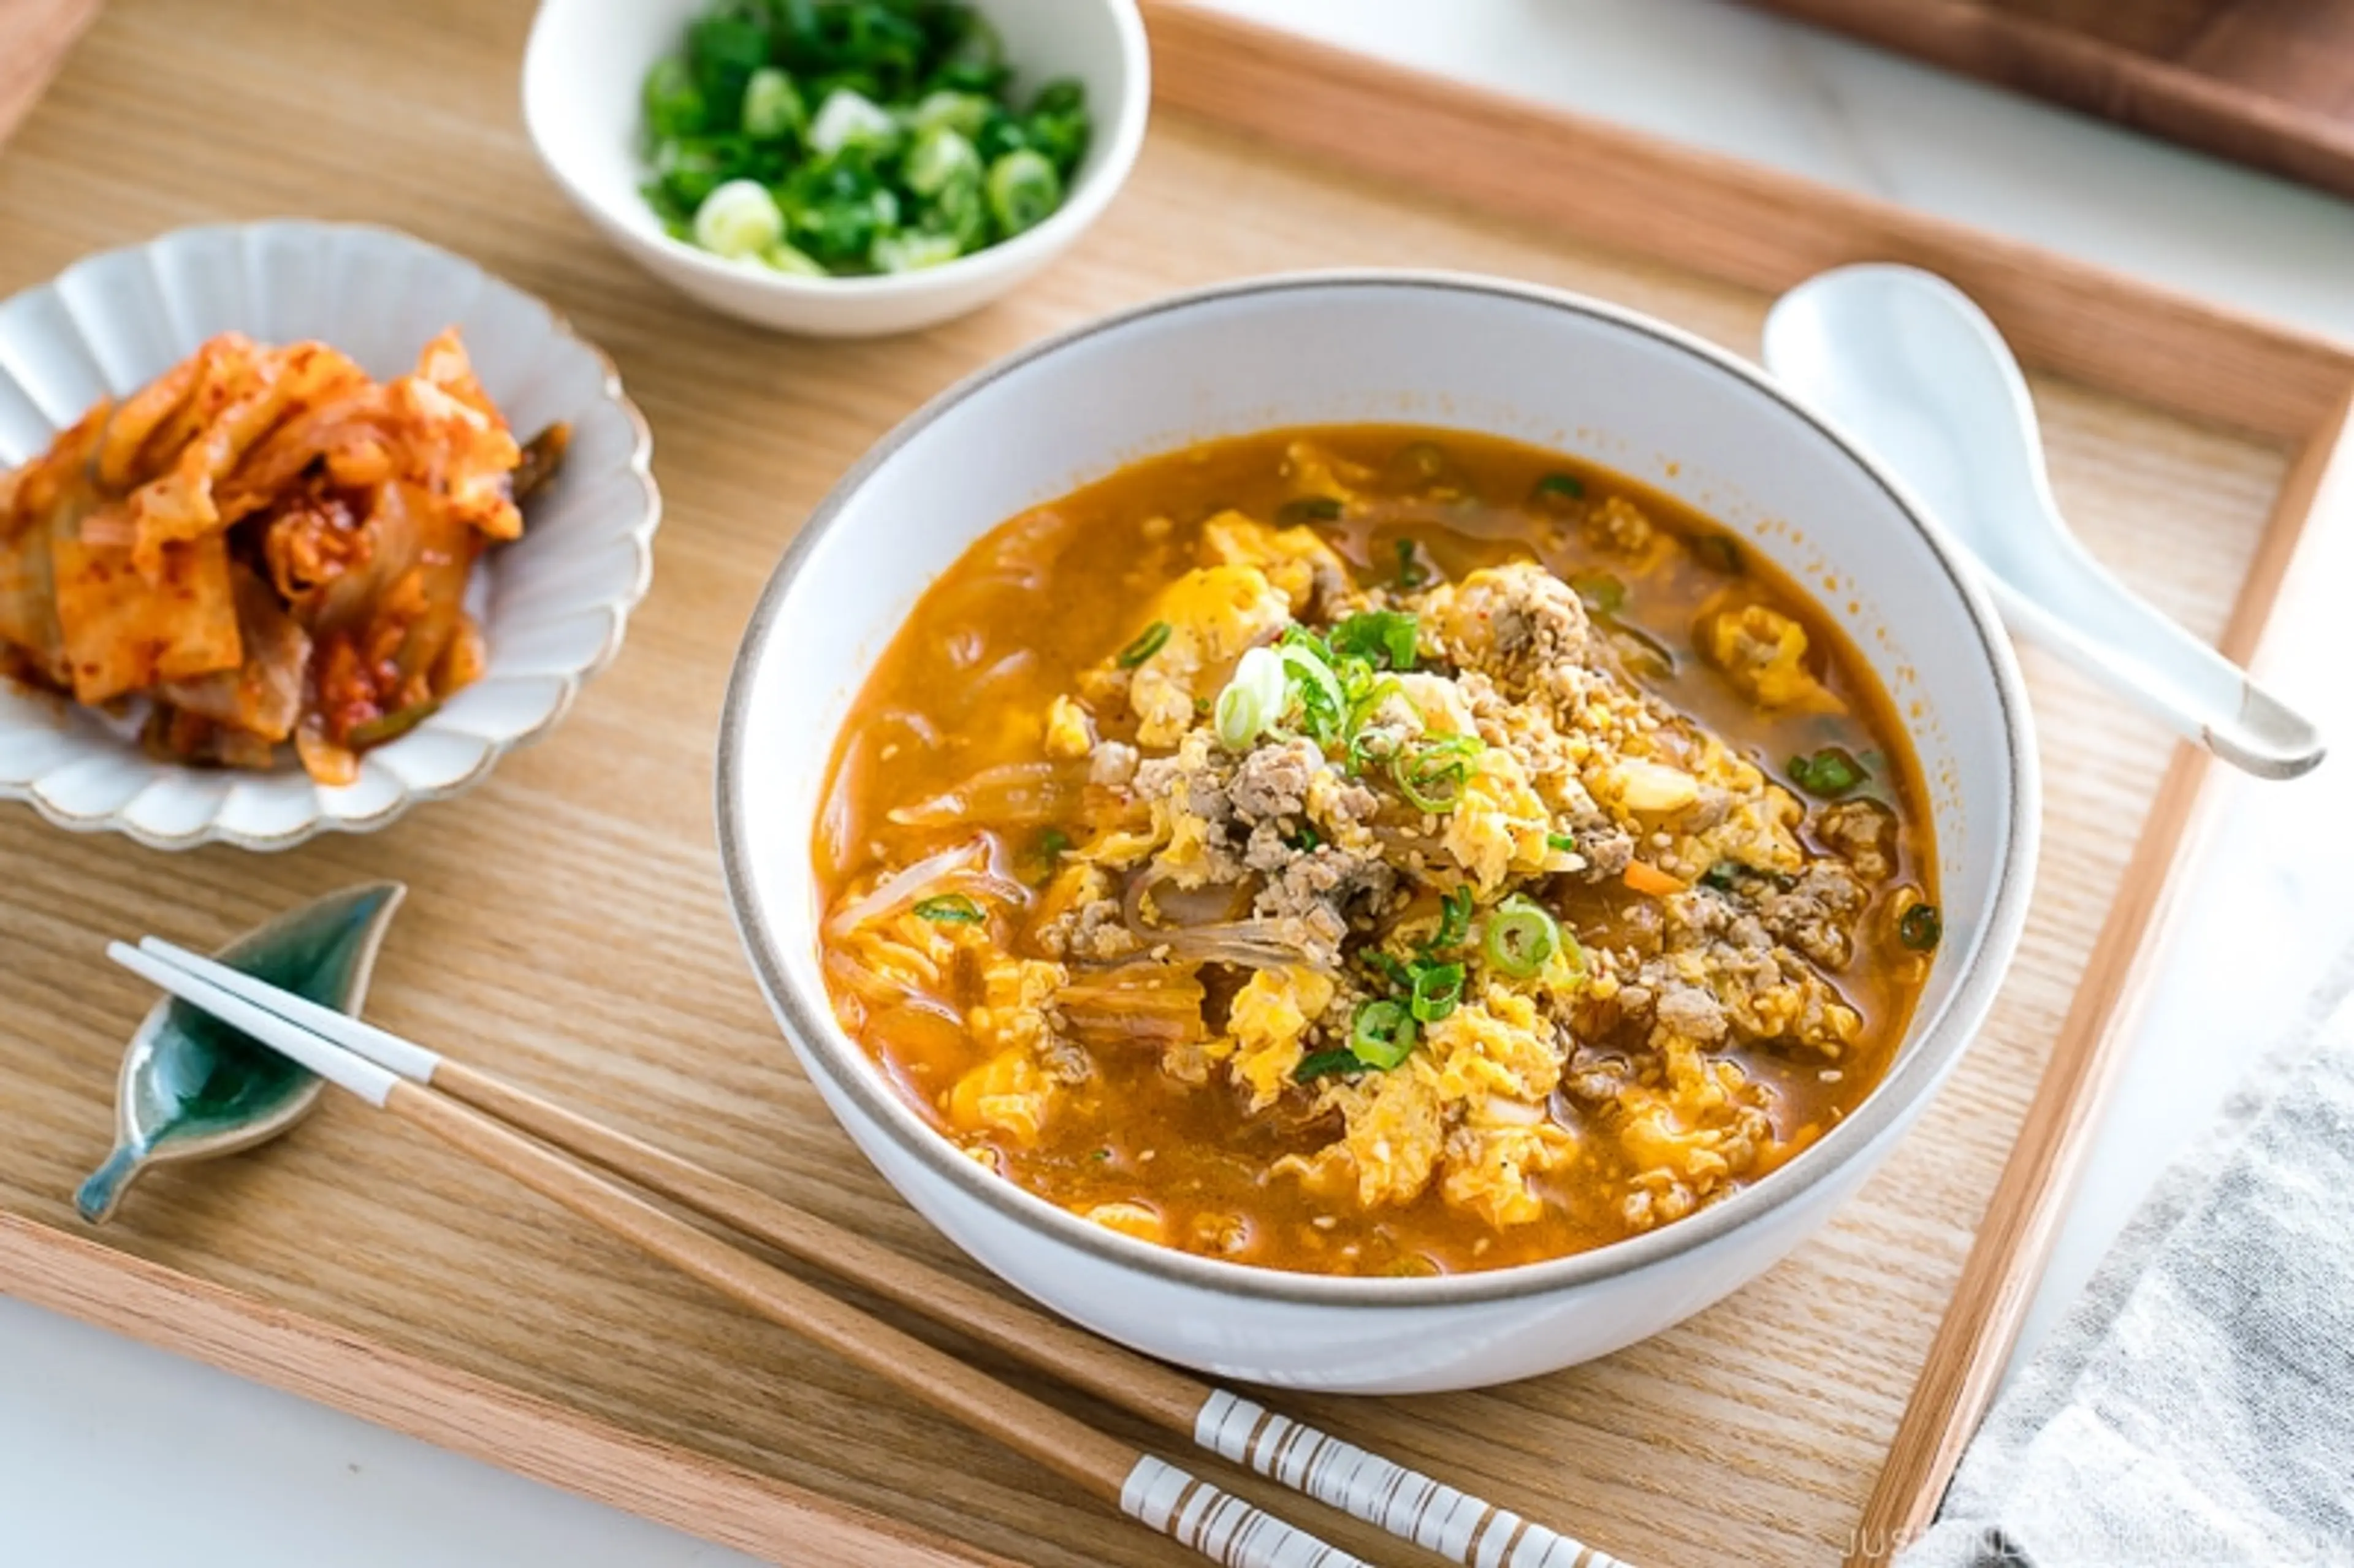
<point>1402,1501</point>
<point>1191,1511</point>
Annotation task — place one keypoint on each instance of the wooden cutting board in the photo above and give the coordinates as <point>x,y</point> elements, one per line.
<point>2265,82</point>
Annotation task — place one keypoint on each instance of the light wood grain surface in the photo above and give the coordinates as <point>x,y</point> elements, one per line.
<point>567,920</point>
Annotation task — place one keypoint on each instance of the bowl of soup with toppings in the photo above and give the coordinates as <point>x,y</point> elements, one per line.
<point>1375,831</point>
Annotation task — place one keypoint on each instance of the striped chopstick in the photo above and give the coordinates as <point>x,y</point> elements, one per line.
<point>1392,1497</point>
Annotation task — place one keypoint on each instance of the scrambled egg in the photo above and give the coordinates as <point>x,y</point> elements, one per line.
<point>1292,558</point>
<point>1763,653</point>
<point>1499,827</point>
<point>1269,1018</point>
<point>1213,614</point>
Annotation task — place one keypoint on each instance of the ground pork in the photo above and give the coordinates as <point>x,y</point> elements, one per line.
<point>1272,781</point>
<point>1863,834</point>
<point>1816,912</point>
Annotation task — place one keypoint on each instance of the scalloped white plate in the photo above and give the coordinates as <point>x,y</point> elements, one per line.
<point>552,605</point>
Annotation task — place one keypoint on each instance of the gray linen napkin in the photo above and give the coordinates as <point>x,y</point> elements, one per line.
<point>2196,1408</point>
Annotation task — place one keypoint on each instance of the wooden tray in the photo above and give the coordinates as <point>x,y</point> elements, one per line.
<point>567,920</point>
<point>2267,82</point>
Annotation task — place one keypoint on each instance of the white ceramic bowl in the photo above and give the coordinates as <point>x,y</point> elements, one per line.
<point>1565,373</point>
<point>586,69</point>
<point>552,604</point>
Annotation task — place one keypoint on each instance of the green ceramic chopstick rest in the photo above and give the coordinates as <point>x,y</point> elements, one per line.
<point>192,1088</point>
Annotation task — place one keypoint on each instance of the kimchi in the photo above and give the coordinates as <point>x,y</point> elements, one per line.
<point>265,545</point>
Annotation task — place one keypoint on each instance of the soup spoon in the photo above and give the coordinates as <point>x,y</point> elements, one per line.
<point>1917,376</point>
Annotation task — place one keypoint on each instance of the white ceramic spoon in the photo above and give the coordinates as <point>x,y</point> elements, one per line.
<point>1917,376</point>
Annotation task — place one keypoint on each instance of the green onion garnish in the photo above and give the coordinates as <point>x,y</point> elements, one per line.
<point>1920,928</point>
<point>1308,509</point>
<point>1382,1035</point>
<point>1378,636</point>
<point>1520,937</point>
<point>1561,841</point>
<point>1431,773</point>
<point>1435,990</point>
<point>1723,875</point>
<point>1603,593</point>
<point>1454,920</point>
<point>950,909</point>
<point>1324,1063</point>
<point>1829,773</point>
<point>1411,573</point>
<point>1558,487</point>
<point>1323,705</point>
<point>1253,700</point>
<point>1148,643</point>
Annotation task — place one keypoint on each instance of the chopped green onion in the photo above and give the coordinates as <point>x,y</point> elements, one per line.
<point>1366,697</point>
<point>1307,839</point>
<point>1432,773</point>
<point>1023,189</point>
<point>1323,704</point>
<point>1454,920</point>
<point>772,106</point>
<point>1561,841</point>
<point>851,119</point>
<point>1324,1063</point>
<point>912,252</point>
<point>783,257</point>
<point>1435,990</point>
<point>1054,844</point>
<point>1920,928</point>
<point>1520,937</point>
<point>941,157</point>
<point>1723,875</point>
<point>1558,487</point>
<point>1411,573</point>
<point>1400,977</point>
<point>962,112</point>
<point>1382,1035</point>
<point>1304,509</point>
<point>739,219</point>
<point>1603,593</point>
<point>1252,700</point>
<point>1148,643</point>
<point>1379,636</point>
<point>1827,774</point>
<point>674,104</point>
<point>950,909</point>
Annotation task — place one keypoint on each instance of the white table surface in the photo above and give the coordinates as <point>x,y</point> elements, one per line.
<point>230,1473</point>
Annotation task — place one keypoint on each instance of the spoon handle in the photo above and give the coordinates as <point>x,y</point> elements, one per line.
<point>1920,380</point>
<point>2100,626</point>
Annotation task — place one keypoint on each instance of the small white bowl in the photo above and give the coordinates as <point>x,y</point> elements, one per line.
<point>552,606</point>
<point>583,77</point>
<point>1569,373</point>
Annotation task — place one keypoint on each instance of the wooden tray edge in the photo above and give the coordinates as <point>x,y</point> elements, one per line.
<point>1735,221</point>
<point>2156,96</point>
<point>1965,1365</point>
<point>472,1416</point>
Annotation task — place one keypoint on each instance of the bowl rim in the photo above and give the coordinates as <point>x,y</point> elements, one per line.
<point>1083,203</point>
<point>616,610</point>
<point>1939,1039</point>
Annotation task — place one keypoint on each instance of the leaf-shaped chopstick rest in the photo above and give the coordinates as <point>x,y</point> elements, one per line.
<point>192,1087</point>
